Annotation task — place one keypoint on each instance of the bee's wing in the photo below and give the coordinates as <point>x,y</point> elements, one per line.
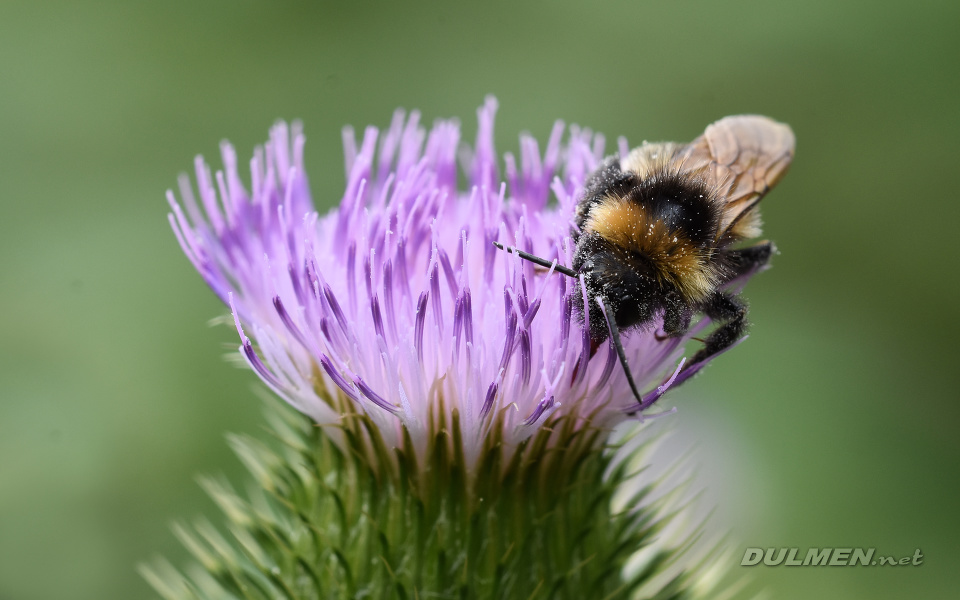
<point>741,157</point>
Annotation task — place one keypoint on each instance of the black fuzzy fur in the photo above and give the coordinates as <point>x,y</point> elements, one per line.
<point>628,280</point>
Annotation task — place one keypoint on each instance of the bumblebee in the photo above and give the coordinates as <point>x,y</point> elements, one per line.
<point>657,233</point>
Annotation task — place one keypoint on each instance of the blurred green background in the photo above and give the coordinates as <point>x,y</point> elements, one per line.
<point>834,425</point>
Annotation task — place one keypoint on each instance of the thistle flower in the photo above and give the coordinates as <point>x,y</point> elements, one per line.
<point>397,305</point>
<point>446,370</point>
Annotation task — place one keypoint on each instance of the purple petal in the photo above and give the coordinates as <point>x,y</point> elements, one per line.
<point>418,328</point>
<point>374,397</point>
<point>542,407</point>
<point>338,379</point>
<point>291,326</point>
<point>377,317</point>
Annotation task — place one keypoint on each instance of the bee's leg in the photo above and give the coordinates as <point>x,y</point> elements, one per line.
<point>676,317</point>
<point>745,261</point>
<point>730,312</point>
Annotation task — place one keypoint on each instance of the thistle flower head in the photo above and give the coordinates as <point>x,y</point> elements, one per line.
<point>396,306</point>
<point>463,408</point>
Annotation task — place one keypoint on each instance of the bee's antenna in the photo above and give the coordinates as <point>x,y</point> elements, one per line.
<point>537,260</point>
<point>615,336</point>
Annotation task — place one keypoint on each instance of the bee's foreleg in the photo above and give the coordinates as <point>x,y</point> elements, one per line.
<point>676,316</point>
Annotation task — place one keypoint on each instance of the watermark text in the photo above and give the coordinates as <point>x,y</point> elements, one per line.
<point>826,557</point>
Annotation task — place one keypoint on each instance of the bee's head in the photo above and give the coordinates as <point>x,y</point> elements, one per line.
<point>628,281</point>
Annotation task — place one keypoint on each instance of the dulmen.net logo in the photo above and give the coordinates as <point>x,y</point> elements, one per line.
<point>826,557</point>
